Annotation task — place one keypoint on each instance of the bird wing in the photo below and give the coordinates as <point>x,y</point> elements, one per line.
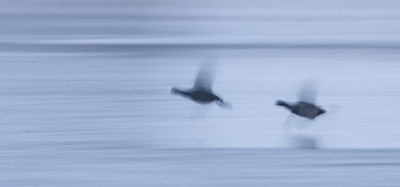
<point>309,92</point>
<point>205,77</point>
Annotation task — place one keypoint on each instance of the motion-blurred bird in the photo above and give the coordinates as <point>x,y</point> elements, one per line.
<point>202,90</point>
<point>306,107</point>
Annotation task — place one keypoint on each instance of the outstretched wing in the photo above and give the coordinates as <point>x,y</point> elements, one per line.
<point>309,92</point>
<point>205,77</point>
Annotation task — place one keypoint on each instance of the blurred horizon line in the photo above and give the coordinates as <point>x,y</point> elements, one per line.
<point>113,46</point>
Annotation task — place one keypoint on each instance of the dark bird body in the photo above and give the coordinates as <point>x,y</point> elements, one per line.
<point>306,107</point>
<point>202,97</point>
<point>303,109</point>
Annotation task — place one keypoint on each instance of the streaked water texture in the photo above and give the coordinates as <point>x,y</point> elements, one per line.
<point>84,102</point>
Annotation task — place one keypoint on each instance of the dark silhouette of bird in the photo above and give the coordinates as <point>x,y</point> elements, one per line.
<point>306,106</point>
<point>202,90</point>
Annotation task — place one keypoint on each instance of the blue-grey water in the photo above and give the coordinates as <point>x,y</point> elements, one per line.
<point>84,102</point>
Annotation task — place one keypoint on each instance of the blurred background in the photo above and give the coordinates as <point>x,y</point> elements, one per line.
<point>84,97</point>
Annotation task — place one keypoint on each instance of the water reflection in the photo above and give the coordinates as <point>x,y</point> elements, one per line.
<point>302,141</point>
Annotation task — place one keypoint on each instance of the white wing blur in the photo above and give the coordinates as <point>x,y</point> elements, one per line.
<point>205,77</point>
<point>309,92</point>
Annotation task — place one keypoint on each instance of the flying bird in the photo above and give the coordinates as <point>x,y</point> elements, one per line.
<point>202,90</point>
<point>306,106</point>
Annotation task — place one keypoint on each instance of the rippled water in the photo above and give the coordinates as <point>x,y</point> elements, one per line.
<point>102,165</point>
<point>84,97</point>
